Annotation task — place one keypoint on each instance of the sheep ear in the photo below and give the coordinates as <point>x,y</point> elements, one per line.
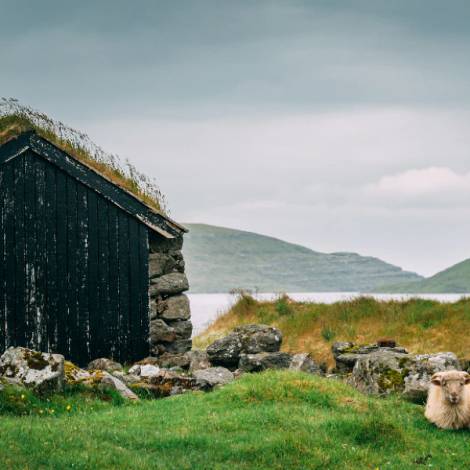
<point>436,379</point>
<point>466,376</point>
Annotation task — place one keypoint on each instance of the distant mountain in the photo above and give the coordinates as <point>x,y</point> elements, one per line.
<point>220,259</point>
<point>453,280</point>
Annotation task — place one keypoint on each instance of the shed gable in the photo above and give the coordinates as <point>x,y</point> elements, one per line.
<point>74,275</point>
<point>90,177</point>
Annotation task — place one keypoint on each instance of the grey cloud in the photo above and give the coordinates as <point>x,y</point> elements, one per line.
<point>243,110</point>
<point>212,57</point>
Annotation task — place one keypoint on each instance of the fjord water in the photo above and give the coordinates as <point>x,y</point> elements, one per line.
<point>205,308</point>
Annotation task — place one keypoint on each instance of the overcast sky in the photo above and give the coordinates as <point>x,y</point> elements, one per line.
<point>339,125</point>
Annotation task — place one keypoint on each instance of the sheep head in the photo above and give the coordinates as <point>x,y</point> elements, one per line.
<point>452,384</point>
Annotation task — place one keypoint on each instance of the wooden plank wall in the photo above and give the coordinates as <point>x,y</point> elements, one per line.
<point>74,267</point>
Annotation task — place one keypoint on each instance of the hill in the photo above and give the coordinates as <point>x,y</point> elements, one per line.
<point>453,280</point>
<point>221,259</point>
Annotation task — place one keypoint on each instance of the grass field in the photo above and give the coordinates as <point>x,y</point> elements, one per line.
<point>272,420</point>
<point>423,326</point>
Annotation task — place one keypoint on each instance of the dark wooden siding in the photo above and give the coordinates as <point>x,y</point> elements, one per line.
<point>74,267</point>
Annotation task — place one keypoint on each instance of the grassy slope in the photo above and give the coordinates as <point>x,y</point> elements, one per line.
<point>220,259</point>
<point>455,279</point>
<point>275,420</point>
<point>423,326</point>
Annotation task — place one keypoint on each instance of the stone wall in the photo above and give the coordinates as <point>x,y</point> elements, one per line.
<point>170,325</point>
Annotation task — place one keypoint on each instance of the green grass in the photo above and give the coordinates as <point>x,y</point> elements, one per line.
<point>272,420</point>
<point>455,279</point>
<point>423,326</point>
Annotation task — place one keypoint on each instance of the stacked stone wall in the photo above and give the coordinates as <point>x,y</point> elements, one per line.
<point>170,313</point>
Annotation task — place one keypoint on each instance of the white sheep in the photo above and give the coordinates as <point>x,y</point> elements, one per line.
<point>448,404</point>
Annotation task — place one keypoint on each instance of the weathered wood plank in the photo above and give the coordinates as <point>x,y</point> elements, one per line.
<point>103,247</point>
<point>41,271</point>
<point>51,261</point>
<point>93,274</point>
<point>9,238</point>
<point>30,248</point>
<point>114,281</point>
<point>2,264</point>
<point>83,286</point>
<point>72,262</point>
<point>144,290</point>
<point>62,278</point>
<point>134,280</point>
<point>124,292</point>
<point>20,287</point>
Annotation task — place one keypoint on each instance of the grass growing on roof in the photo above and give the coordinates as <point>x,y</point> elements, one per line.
<point>16,119</point>
<point>422,326</point>
<point>274,420</point>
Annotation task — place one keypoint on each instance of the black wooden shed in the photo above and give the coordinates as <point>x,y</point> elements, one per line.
<point>74,249</point>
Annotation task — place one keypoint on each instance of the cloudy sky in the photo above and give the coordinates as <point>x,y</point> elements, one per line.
<point>341,126</point>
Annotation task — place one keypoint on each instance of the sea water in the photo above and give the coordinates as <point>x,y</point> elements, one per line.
<point>205,308</point>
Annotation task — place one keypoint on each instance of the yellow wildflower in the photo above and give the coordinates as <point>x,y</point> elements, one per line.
<point>41,411</point>
<point>52,411</point>
<point>68,407</point>
<point>22,396</point>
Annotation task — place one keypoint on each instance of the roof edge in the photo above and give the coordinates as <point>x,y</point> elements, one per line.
<point>33,141</point>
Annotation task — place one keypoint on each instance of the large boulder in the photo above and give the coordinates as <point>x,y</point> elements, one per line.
<point>33,369</point>
<point>347,354</point>
<point>169,284</point>
<point>175,307</point>
<point>260,362</point>
<point>215,375</point>
<point>385,372</point>
<point>160,331</point>
<point>259,338</point>
<point>247,339</point>
<point>226,351</point>
<point>305,363</point>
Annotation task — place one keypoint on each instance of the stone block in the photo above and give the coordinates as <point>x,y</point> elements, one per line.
<point>169,284</point>
<point>175,307</point>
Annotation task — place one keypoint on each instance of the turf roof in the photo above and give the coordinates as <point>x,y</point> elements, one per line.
<point>17,119</point>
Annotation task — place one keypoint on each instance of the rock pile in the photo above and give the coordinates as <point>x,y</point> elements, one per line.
<point>254,348</point>
<point>347,354</point>
<point>170,325</point>
<point>383,371</point>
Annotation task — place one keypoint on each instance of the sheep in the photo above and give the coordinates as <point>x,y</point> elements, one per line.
<point>448,405</point>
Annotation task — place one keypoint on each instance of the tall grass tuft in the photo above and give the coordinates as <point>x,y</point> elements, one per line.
<point>16,119</point>
<point>422,326</point>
